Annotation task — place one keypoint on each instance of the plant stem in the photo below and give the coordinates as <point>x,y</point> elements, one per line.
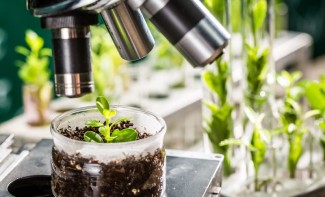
<point>256,184</point>
<point>274,161</point>
<point>292,169</point>
<point>251,15</point>
<point>292,172</point>
<point>311,150</point>
<point>227,169</point>
<point>322,143</point>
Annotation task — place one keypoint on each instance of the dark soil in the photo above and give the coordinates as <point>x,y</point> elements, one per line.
<point>78,133</point>
<point>76,176</point>
<point>73,176</point>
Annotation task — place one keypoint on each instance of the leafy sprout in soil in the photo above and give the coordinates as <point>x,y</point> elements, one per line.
<point>124,135</point>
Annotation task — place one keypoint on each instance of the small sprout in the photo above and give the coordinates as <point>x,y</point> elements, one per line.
<point>124,135</point>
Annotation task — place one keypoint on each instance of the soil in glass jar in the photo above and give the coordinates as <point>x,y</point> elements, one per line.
<point>75,175</point>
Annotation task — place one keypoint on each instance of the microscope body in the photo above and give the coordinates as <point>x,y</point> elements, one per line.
<point>187,24</point>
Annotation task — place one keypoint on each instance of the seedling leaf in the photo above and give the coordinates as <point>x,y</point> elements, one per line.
<point>125,135</point>
<point>251,115</point>
<point>109,139</point>
<point>311,113</point>
<point>259,12</point>
<point>102,104</point>
<point>91,136</point>
<point>94,123</point>
<point>108,114</point>
<point>322,126</point>
<point>103,131</point>
<point>237,142</point>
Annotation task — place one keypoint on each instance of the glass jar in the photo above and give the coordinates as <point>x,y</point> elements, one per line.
<point>136,168</point>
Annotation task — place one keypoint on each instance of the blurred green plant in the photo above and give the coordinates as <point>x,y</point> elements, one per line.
<point>35,69</point>
<point>257,67</point>
<point>219,123</point>
<point>315,95</point>
<point>281,16</point>
<point>257,146</point>
<point>257,70</point>
<point>293,118</point>
<point>108,66</point>
<point>218,8</point>
<point>35,74</point>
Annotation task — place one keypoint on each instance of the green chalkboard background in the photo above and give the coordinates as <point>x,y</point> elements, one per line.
<point>14,20</point>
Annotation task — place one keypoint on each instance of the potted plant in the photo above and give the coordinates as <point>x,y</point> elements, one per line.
<point>35,74</point>
<point>108,151</point>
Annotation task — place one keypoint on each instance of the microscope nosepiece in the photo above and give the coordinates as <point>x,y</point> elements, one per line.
<point>190,27</point>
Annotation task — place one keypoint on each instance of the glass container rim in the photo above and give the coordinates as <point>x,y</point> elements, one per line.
<point>61,137</point>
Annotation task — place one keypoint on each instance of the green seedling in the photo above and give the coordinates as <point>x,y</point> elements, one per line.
<point>219,8</point>
<point>257,58</point>
<point>257,70</point>
<point>257,146</point>
<point>315,95</point>
<point>219,124</point>
<point>257,13</point>
<point>124,135</point>
<point>216,81</point>
<point>292,118</point>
